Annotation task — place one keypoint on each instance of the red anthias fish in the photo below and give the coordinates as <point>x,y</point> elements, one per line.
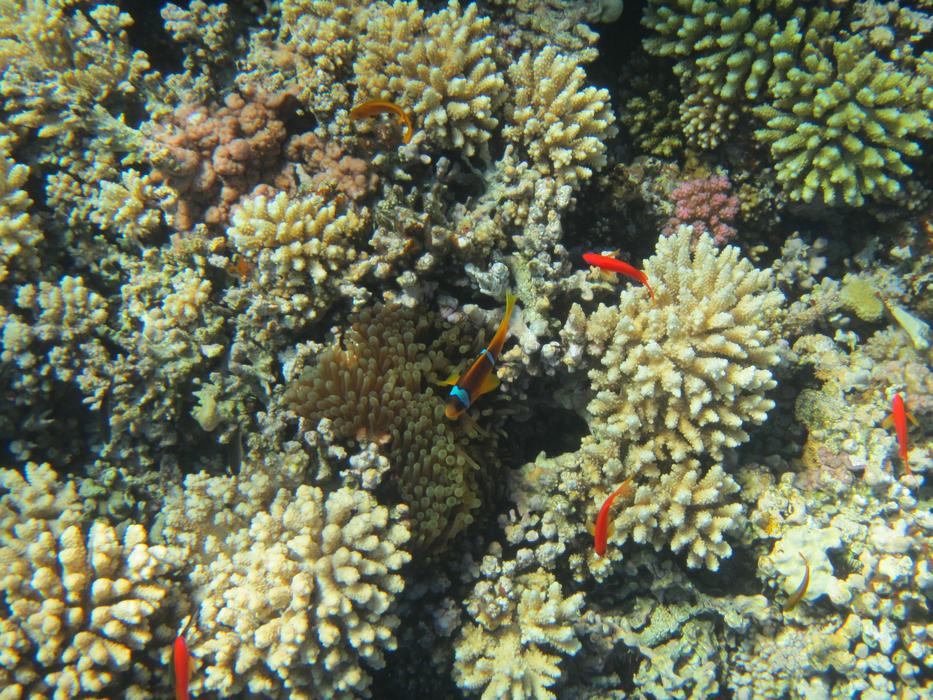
<point>623,268</point>
<point>181,660</point>
<point>899,417</point>
<point>601,531</point>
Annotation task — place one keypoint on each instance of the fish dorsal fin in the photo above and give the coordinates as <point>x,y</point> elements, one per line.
<point>490,382</point>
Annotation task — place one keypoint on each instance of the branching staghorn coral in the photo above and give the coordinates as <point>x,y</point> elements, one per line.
<point>375,386</point>
<point>19,233</point>
<point>81,600</point>
<point>295,586</point>
<point>58,332</point>
<point>561,124</point>
<point>289,241</point>
<point>561,23</point>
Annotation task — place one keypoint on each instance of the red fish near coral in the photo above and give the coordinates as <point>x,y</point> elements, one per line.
<point>481,377</point>
<point>181,659</point>
<point>898,417</point>
<point>606,262</point>
<point>374,107</point>
<point>601,531</point>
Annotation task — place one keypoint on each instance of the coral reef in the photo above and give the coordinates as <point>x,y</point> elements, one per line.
<point>680,376</point>
<point>294,587</point>
<point>80,599</point>
<point>375,386</point>
<point>707,205</point>
<point>232,308</point>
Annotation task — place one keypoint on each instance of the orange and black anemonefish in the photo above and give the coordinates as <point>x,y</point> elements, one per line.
<point>480,378</point>
<point>374,107</point>
<point>606,262</point>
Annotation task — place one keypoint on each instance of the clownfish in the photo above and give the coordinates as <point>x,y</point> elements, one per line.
<point>374,107</point>
<point>480,378</point>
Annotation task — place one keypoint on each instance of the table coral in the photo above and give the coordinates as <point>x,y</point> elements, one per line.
<point>82,600</point>
<point>295,586</point>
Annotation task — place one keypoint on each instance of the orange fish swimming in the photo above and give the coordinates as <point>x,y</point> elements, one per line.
<point>181,659</point>
<point>601,531</point>
<point>623,268</point>
<point>801,591</point>
<point>374,107</point>
<point>480,378</point>
<point>898,417</point>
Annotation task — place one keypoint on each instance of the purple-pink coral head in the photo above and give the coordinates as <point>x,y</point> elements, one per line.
<point>706,204</point>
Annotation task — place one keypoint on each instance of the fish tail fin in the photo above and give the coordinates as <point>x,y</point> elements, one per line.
<point>510,300</point>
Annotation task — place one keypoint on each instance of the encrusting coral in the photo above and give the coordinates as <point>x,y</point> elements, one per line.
<point>295,585</point>
<point>80,599</point>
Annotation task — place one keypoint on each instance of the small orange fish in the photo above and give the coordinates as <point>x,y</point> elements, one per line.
<point>481,377</point>
<point>801,591</point>
<point>374,107</point>
<point>601,531</point>
<point>181,659</point>
<point>623,268</point>
<point>898,417</point>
